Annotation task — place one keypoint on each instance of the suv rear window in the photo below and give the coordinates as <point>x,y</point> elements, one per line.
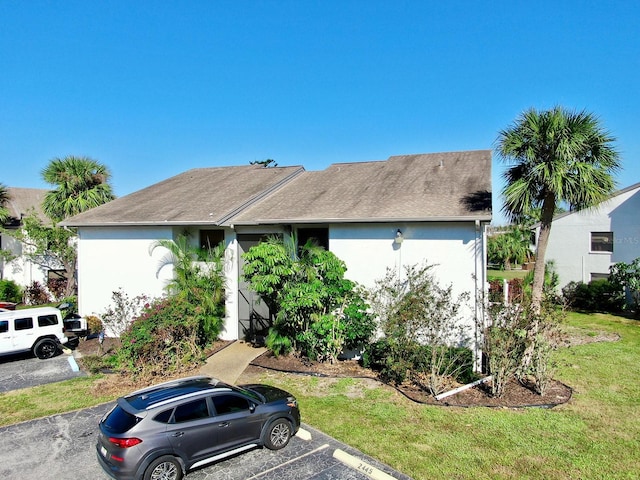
<point>119,421</point>
<point>4,326</point>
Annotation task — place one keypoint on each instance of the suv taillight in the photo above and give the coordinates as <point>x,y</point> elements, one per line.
<point>125,442</point>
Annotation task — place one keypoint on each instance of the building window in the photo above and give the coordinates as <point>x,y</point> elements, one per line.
<point>319,236</point>
<point>602,242</point>
<point>211,238</point>
<point>599,276</point>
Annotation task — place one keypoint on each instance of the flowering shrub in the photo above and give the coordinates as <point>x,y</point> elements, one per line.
<point>119,315</point>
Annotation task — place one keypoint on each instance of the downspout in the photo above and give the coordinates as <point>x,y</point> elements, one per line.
<point>479,295</point>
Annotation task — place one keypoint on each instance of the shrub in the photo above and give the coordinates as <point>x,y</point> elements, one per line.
<point>10,291</point>
<point>595,296</point>
<point>627,276</point>
<point>94,324</point>
<point>163,340</point>
<point>510,331</point>
<point>422,323</point>
<point>359,324</point>
<point>315,308</point>
<point>118,316</point>
<point>199,279</point>
<point>278,344</point>
<point>504,341</point>
<point>324,339</point>
<point>36,294</point>
<point>57,287</point>
<point>397,364</point>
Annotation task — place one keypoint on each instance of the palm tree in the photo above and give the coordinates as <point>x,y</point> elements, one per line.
<point>198,278</point>
<point>81,184</point>
<point>509,246</point>
<point>4,199</point>
<point>554,157</point>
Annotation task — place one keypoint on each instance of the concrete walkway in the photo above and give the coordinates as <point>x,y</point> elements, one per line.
<point>228,364</point>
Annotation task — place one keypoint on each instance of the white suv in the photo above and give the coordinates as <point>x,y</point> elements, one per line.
<point>39,330</point>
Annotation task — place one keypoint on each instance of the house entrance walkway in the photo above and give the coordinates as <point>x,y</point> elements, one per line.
<point>228,364</point>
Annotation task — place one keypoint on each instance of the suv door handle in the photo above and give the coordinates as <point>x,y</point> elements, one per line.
<point>178,434</point>
<point>223,424</point>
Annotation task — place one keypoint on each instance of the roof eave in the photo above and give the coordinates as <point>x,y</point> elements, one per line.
<point>280,221</point>
<point>140,224</point>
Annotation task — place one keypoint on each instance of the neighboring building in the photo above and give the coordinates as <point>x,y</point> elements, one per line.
<point>584,244</point>
<point>22,202</point>
<point>439,204</point>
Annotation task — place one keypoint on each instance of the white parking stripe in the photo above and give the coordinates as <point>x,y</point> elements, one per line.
<point>320,448</point>
<point>360,466</point>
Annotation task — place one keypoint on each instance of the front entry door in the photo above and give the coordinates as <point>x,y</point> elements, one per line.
<point>254,318</point>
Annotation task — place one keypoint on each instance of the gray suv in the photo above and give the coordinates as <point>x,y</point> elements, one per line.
<point>163,431</point>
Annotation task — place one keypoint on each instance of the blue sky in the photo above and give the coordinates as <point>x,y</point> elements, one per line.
<point>152,89</point>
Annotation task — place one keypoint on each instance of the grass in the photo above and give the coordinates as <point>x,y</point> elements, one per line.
<point>507,274</point>
<point>54,398</point>
<point>595,436</point>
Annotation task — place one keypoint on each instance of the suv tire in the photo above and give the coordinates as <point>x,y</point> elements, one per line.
<point>278,434</point>
<point>45,348</point>
<point>164,468</point>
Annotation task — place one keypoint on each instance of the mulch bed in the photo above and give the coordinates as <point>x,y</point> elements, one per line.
<point>516,395</point>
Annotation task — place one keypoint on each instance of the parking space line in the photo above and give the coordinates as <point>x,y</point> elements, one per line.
<point>319,449</point>
<point>363,467</point>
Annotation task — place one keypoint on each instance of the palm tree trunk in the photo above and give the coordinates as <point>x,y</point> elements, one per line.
<point>537,288</point>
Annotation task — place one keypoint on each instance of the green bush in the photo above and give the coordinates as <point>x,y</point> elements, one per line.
<point>317,310</point>
<point>278,344</point>
<point>411,361</point>
<point>422,322</point>
<point>163,339</point>
<point>94,324</point>
<point>359,324</point>
<point>10,291</point>
<point>595,296</point>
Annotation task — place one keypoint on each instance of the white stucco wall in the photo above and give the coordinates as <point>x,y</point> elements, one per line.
<point>368,249</point>
<point>570,239</point>
<point>110,259</point>
<point>114,258</point>
<point>119,258</point>
<point>20,269</point>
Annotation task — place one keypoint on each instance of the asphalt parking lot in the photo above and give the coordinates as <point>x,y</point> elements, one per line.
<point>63,446</point>
<point>25,370</point>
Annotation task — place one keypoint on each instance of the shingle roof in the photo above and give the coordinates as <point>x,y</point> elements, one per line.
<point>22,201</point>
<point>198,196</point>
<point>436,186</point>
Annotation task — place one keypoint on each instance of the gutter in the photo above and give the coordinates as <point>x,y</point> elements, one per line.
<point>279,221</point>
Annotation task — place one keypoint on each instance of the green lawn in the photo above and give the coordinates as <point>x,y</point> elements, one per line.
<point>507,274</point>
<point>595,436</point>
